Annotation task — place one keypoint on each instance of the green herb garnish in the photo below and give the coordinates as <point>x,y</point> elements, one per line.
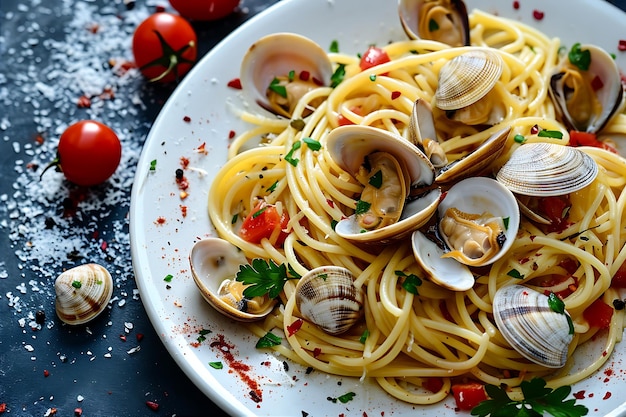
<point>291,75</point>
<point>376,180</point>
<point>168,278</point>
<point>519,138</point>
<point>362,207</point>
<point>259,212</point>
<point>268,340</point>
<point>272,187</point>
<point>202,335</point>
<point>338,75</point>
<point>234,219</point>
<point>555,134</point>
<point>538,401</point>
<point>153,165</point>
<point>410,283</point>
<point>579,57</point>
<point>505,221</point>
<point>76,284</point>
<point>433,25</point>
<point>557,305</point>
<point>289,157</point>
<point>262,277</point>
<point>277,88</point>
<point>364,336</point>
<point>346,397</point>
<point>313,144</point>
<point>334,46</point>
<point>373,77</point>
<point>514,273</point>
<point>216,365</point>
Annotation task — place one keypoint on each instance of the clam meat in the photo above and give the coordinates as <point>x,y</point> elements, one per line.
<point>532,326</point>
<point>214,266</point>
<point>82,293</point>
<point>279,69</point>
<point>327,297</point>
<point>422,133</point>
<point>389,168</point>
<point>587,96</point>
<point>444,21</point>
<point>468,89</point>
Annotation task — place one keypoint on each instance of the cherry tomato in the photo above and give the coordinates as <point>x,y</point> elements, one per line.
<point>469,395</point>
<point>619,279</point>
<point>165,47</point>
<point>372,57</point>
<point>88,153</point>
<point>262,222</point>
<point>598,314</point>
<point>204,9</point>
<point>556,209</point>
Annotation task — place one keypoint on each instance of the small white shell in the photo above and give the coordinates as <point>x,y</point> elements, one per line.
<point>214,261</point>
<point>327,297</point>
<point>545,169</point>
<point>467,78</point>
<point>82,293</point>
<point>531,327</point>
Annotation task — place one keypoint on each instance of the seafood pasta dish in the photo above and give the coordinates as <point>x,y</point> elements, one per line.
<point>438,210</point>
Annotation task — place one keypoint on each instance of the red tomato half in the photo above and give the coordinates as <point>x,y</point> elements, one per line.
<point>204,9</point>
<point>165,47</point>
<point>469,395</point>
<point>88,153</point>
<point>262,222</point>
<point>372,57</point>
<point>598,314</point>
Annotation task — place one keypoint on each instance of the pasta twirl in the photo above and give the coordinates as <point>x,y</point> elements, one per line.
<point>437,332</point>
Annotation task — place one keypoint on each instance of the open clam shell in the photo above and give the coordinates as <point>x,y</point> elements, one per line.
<point>476,195</point>
<point>440,20</point>
<point>214,265</point>
<point>278,55</point>
<point>82,293</point>
<point>349,147</point>
<point>528,323</point>
<point>545,169</point>
<point>327,297</point>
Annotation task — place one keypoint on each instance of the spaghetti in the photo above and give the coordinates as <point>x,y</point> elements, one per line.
<point>436,333</point>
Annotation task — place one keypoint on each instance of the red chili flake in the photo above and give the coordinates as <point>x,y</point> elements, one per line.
<point>107,94</point>
<point>152,405</point>
<point>235,83</point>
<point>160,220</point>
<point>534,130</point>
<point>523,261</point>
<point>183,184</point>
<point>317,81</point>
<point>78,412</point>
<point>139,337</point>
<point>330,202</point>
<point>579,395</point>
<point>343,120</point>
<point>202,148</point>
<point>305,75</point>
<point>83,102</point>
<point>607,395</point>
<point>186,119</point>
<point>621,45</point>
<point>46,373</point>
<point>608,372</point>
<point>316,352</point>
<point>183,211</point>
<point>239,367</point>
<point>231,134</point>
<point>123,338</point>
<point>596,83</point>
<point>3,407</point>
<point>294,327</point>
<point>93,27</point>
<point>104,245</point>
<point>184,162</point>
<point>538,14</point>
<point>395,94</point>
<point>39,140</point>
<point>516,5</point>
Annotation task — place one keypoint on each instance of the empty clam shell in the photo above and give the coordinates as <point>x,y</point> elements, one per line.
<point>214,265</point>
<point>440,20</point>
<point>82,293</point>
<point>536,331</point>
<point>467,78</point>
<point>327,297</point>
<point>547,169</point>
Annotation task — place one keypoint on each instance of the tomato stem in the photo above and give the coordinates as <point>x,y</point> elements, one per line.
<point>170,59</point>
<point>56,163</point>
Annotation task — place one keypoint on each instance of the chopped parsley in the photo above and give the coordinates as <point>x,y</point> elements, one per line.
<point>334,46</point>
<point>168,278</point>
<point>519,138</point>
<point>263,277</point>
<point>376,180</point>
<point>202,335</point>
<point>539,400</point>
<point>580,58</point>
<point>277,88</point>
<point>505,221</point>
<point>272,187</point>
<point>514,273</point>
<point>259,212</point>
<point>268,340</point>
<point>153,165</point>
<point>338,75</point>
<point>433,25</point>
<point>373,77</point>
<point>76,284</point>
<point>555,134</point>
<point>291,75</point>
<point>362,207</point>
<point>216,365</point>
<point>410,282</point>
<point>313,144</point>
<point>289,157</point>
<point>234,219</point>
<point>557,305</point>
<point>364,336</point>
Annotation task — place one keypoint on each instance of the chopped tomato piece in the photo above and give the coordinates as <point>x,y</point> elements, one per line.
<point>343,120</point>
<point>372,57</point>
<point>469,395</point>
<point>555,209</point>
<point>598,314</point>
<point>577,138</point>
<point>262,222</point>
<point>619,279</point>
<point>433,384</point>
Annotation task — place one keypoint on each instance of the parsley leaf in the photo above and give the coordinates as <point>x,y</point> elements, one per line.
<point>538,401</point>
<point>277,88</point>
<point>338,75</point>
<point>433,25</point>
<point>313,144</point>
<point>410,283</point>
<point>580,58</point>
<point>347,397</point>
<point>334,46</point>
<point>289,157</point>
<point>362,206</point>
<point>216,365</point>
<point>558,305</point>
<point>555,134</point>
<point>268,340</point>
<point>376,180</point>
<point>262,277</point>
<point>514,273</point>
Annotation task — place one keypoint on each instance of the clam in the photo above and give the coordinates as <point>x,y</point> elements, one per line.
<point>439,20</point>
<point>534,328</point>
<point>540,170</point>
<point>327,297</point>
<point>278,69</point>
<point>466,88</point>
<point>478,220</point>
<point>214,266</point>
<point>388,166</point>
<point>586,99</point>
<point>82,293</point>
<point>423,134</point>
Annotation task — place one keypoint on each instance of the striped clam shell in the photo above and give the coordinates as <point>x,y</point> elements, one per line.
<point>531,327</point>
<point>327,297</point>
<point>467,78</point>
<point>82,293</point>
<point>547,169</point>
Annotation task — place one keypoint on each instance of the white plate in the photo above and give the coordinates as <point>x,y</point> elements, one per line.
<point>160,247</point>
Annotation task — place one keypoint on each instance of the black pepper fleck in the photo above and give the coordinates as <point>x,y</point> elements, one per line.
<point>619,304</point>
<point>179,174</point>
<point>40,317</point>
